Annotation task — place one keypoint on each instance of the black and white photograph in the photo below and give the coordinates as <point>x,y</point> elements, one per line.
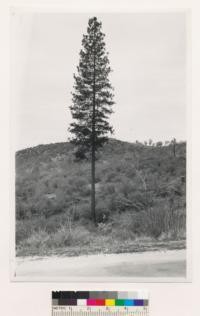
<point>99,115</point>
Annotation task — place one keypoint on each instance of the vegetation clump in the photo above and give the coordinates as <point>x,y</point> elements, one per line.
<point>140,198</point>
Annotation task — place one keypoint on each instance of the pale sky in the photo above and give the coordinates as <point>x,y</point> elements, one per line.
<point>147,53</point>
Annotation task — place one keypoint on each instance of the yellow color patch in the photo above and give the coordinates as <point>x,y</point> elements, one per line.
<point>110,302</point>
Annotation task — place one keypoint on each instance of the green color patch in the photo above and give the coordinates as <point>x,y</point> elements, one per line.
<point>119,302</point>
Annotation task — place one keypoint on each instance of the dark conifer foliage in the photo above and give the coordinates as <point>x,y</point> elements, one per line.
<point>92,99</point>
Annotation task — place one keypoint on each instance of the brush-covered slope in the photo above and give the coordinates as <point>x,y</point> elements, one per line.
<point>140,191</point>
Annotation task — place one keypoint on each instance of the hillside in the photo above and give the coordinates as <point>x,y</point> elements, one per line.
<point>140,196</point>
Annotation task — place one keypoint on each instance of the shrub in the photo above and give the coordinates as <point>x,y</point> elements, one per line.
<point>61,238</point>
<point>65,237</point>
<point>23,231</point>
<point>36,242</point>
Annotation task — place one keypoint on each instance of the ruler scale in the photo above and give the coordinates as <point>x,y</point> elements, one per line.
<point>100,303</point>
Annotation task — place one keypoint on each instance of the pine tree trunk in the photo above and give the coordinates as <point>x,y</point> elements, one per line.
<point>174,148</point>
<point>93,210</point>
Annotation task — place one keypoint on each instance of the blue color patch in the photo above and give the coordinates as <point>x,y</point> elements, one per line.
<point>128,302</point>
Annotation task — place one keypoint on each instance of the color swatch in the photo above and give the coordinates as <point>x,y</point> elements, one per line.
<point>63,298</point>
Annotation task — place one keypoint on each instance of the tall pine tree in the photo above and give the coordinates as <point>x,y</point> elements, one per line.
<point>92,100</point>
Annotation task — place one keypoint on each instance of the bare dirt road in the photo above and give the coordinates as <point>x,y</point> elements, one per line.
<point>155,264</point>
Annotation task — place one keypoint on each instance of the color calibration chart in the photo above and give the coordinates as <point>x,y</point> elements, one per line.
<point>85,303</point>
